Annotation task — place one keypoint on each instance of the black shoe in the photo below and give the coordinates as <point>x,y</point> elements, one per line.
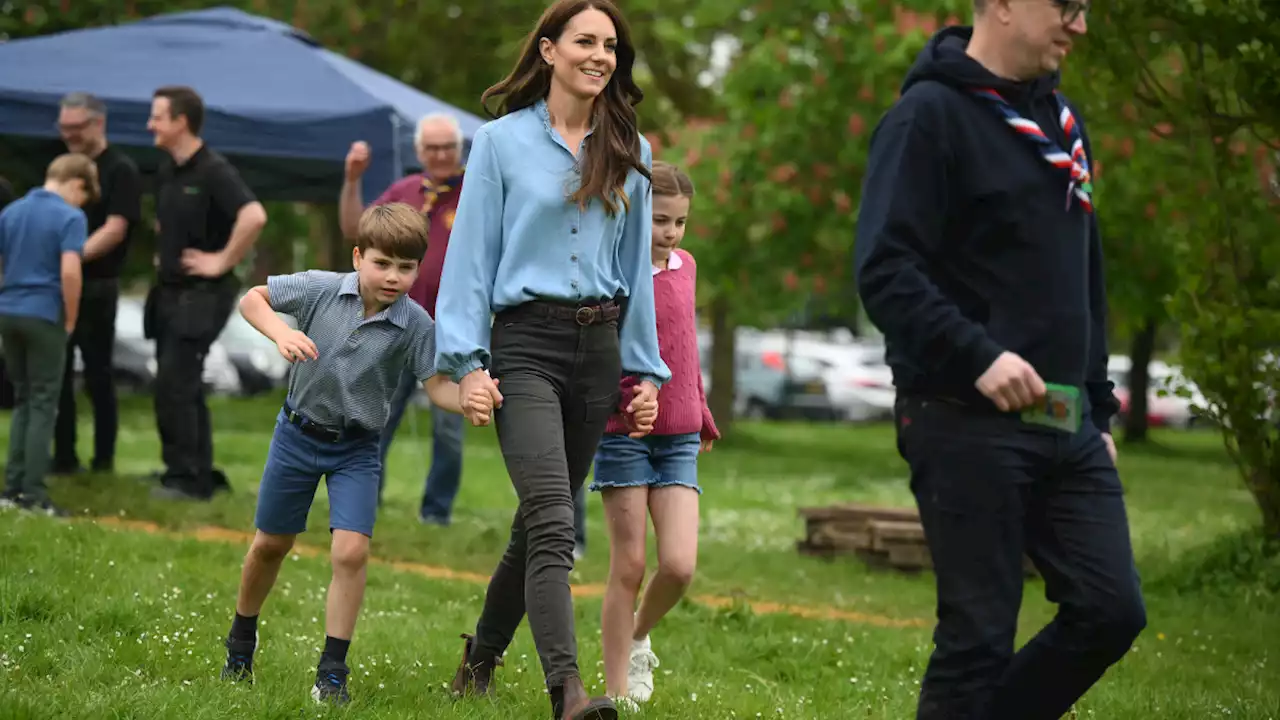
<point>239,667</point>
<point>10,499</point>
<point>331,683</point>
<point>42,507</point>
<point>103,466</point>
<point>65,467</point>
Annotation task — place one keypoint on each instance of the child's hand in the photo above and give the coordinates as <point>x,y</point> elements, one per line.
<point>706,445</point>
<point>296,346</point>
<point>478,404</point>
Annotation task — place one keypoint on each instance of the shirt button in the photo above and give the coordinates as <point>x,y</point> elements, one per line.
<point>573,258</point>
<point>573,284</point>
<point>574,230</point>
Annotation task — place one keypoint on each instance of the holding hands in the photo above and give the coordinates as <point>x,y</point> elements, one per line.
<point>478,395</point>
<point>642,411</point>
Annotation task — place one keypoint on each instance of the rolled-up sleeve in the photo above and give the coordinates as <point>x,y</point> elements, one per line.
<point>639,332</point>
<point>463,306</point>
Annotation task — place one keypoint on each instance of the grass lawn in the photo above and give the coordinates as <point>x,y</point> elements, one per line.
<point>121,612</point>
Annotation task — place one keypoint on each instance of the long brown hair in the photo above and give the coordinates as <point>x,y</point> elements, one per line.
<point>612,149</point>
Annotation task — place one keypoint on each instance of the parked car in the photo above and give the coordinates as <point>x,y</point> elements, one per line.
<point>858,381</point>
<point>134,356</point>
<point>1164,407</point>
<point>260,366</point>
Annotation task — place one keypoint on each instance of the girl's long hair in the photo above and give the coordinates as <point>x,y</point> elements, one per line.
<point>612,149</point>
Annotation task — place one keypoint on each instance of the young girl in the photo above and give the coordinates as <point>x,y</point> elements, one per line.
<point>552,231</point>
<point>658,472</point>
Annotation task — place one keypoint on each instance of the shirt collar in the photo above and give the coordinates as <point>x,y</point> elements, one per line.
<point>673,263</point>
<point>544,113</point>
<point>397,314</point>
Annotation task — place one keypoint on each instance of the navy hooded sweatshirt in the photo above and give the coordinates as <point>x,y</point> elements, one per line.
<point>965,245</point>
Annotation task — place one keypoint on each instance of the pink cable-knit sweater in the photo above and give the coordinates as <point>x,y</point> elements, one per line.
<point>682,403</point>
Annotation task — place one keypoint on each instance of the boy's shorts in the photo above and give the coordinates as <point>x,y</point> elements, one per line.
<point>654,461</point>
<point>295,463</point>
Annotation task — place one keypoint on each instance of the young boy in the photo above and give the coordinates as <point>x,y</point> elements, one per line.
<point>356,333</point>
<point>41,238</point>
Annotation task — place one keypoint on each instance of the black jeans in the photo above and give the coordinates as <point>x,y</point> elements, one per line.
<point>186,320</point>
<point>560,383</point>
<point>991,488</point>
<point>95,335</point>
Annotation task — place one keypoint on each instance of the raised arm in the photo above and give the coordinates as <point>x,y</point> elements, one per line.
<point>463,307</point>
<point>638,335</point>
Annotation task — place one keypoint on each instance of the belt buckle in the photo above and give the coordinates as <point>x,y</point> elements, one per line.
<point>585,315</point>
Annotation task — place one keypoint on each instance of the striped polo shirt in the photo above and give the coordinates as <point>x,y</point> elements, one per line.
<point>360,359</point>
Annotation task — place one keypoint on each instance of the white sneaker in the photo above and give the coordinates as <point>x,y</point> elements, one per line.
<point>640,673</point>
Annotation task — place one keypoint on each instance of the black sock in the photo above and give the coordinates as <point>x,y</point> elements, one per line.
<point>335,649</point>
<point>244,628</point>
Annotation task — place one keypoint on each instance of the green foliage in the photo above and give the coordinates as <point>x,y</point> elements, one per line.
<point>1192,71</point>
<point>779,164</point>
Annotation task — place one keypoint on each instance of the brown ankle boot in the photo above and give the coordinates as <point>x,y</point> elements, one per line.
<point>578,706</point>
<point>473,678</point>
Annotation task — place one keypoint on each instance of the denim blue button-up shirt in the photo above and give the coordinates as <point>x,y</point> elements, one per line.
<point>517,237</point>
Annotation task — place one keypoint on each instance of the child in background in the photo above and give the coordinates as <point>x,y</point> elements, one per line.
<point>659,472</point>
<point>357,332</point>
<point>42,238</point>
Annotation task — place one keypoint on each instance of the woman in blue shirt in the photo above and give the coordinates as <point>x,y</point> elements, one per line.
<point>552,238</point>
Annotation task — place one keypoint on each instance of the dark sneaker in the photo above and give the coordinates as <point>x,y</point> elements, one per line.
<point>331,683</point>
<point>239,667</point>
<point>473,678</point>
<point>10,499</point>
<point>42,507</point>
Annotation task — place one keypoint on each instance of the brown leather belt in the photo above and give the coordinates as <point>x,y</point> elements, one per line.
<point>589,314</point>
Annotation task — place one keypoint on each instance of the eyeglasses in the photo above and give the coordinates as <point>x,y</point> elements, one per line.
<point>448,147</point>
<point>1072,9</point>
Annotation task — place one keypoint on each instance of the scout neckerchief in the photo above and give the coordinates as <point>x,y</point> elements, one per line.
<point>432,190</point>
<point>1077,163</point>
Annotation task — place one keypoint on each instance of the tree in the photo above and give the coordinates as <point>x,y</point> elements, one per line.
<point>779,161</point>
<point>1202,76</point>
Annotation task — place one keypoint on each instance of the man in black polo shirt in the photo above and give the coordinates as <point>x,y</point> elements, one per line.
<point>208,219</point>
<point>82,122</point>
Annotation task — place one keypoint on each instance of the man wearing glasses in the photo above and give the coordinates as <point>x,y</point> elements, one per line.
<point>82,123</point>
<point>978,256</point>
<point>435,191</point>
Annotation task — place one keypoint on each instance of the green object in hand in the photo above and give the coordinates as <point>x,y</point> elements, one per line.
<point>1060,408</point>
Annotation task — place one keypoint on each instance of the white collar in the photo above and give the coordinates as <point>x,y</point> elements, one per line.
<point>673,263</point>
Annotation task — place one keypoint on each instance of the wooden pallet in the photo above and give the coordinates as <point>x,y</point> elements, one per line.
<point>889,538</point>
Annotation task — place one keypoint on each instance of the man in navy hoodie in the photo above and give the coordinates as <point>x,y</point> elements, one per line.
<point>978,256</point>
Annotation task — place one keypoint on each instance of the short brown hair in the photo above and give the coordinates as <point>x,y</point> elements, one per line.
<point>395,230</point>
<point>185,102</point>
<point>76,166</point>
<point>670,180</point>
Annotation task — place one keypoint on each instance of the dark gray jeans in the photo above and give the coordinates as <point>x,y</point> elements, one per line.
<point>34,351</point>
<point>559,381</point>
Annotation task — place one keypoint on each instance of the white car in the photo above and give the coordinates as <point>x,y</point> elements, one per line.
<point>858,381</point>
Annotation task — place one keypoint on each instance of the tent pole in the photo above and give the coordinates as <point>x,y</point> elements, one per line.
<point>395,145</point>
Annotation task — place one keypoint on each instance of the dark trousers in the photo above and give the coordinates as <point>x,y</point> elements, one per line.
<point>187,319</point>
<point>95,336</point>
<point>559,381</point>
<point>444,479</point>
<point>34,350</point>
<point>991,488</point>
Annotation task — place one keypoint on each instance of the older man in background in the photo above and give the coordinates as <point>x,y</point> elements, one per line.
<point>82,123</point>
<point>435,191</point>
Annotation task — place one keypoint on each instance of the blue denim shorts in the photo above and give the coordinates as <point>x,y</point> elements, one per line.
<point>654,461</point>
<point>295,464</point>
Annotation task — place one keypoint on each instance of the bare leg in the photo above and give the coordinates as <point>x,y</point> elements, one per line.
<point>675,523</point>
<point>350,558</point>
<point>261,566</point>
<point>624,511</point>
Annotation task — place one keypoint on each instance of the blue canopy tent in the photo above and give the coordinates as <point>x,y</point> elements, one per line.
<point>282,108</point>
